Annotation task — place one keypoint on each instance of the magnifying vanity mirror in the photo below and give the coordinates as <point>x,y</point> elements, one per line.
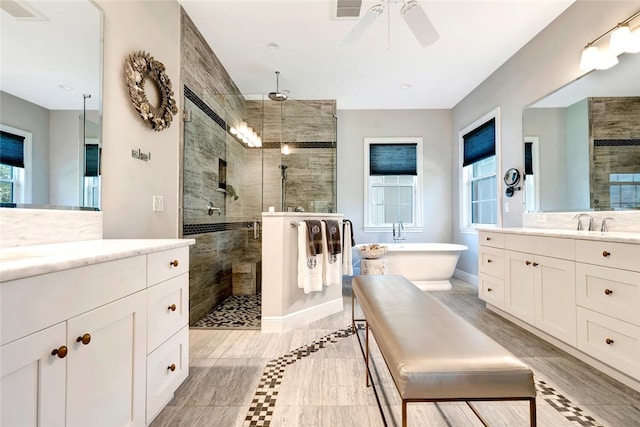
<point>582,143</point>
<point>511,179</point>
<point>50,104</point>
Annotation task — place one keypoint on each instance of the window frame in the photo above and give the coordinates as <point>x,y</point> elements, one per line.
<point>466,226</point>
<point>417,187</point>
<point>22,190</point>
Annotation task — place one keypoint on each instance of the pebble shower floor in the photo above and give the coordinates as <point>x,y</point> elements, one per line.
<point>236,312</point>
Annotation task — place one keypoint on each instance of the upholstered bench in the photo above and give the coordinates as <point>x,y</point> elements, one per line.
<point>434,355</point>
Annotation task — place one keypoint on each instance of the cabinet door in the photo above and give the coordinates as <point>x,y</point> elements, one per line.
<point>519,289</point>
<point>32,380</point>
<point>106,376</point>
<point>556,298</point>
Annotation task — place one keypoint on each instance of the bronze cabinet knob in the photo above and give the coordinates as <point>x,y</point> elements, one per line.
<point>60,352</point>
<point>174,263</point>
<point>528,262</point>
<point>608,291</point>
<point>609,341</point>
<point>606,254</point>
<point>535,264</point>
<point>488,238</point>
<point>171,367</point>
<point>489,289</point>
<point>85,339</point>
<point>489,261</point>
<point>172,307</point>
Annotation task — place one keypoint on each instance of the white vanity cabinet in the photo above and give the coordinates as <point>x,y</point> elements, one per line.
<point>491,268</point>
<point>73,342</point>
<point>575,287</point>
<point>608,294</point>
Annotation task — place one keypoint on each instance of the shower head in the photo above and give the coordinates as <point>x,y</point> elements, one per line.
<point>277,95</point>
<point>283,167</point>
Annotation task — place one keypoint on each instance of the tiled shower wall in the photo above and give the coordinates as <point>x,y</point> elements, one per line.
<point>615,143</point>
<point>215,104</point>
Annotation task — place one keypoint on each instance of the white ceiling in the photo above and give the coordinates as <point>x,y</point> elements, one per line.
<point>476,37</point>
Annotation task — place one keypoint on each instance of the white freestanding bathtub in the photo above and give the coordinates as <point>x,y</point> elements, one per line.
<point>429,266</point>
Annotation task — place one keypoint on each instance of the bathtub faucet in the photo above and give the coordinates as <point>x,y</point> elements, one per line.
<point>398,233</point>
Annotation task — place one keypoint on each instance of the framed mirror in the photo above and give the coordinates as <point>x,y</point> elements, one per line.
<point>50,98</point>
<point>582,143</point>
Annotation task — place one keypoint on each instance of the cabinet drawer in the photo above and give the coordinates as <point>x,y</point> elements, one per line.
<point>554,247</point>
<point>491,290</point>
<point>161,380</point>
<point>610,291</point>
<point>490,238</point>
<point>168,310</point>
<point>611,341</point>
<point>34,303</point>
<point>609,254</point>
<point>491,262</point>
<point>167,264</point>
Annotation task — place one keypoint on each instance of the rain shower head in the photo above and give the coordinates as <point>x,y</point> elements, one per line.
<point>277,95</point>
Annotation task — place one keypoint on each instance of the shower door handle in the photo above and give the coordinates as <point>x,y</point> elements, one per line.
<point>256,229</point>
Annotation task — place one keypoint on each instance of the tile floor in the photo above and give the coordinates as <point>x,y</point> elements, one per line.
<point>235,312</point>
<point>314,376</point>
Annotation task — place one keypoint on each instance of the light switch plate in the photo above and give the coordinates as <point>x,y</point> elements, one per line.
<point>158,203</point>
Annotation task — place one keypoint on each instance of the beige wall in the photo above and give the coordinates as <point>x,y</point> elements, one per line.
<point>128,185</point>
<point>545,64</point>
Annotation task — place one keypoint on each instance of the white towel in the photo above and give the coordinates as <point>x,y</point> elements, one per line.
<point>309,267</point>
<point>331,264</point>
<point>347,261</point>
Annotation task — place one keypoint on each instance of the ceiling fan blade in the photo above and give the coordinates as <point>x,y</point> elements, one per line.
<point>419,23</point>
<point>361,26</point>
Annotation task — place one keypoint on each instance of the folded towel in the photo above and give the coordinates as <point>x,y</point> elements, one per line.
<point>347,243</point>
<point>314,236</point>
<point>332,233</point>
<point>309,266</point>
<point>331,263</point>
<point>345,224</point>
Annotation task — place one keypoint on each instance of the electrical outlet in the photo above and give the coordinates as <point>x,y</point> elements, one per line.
<point>507,207</point>
<point>158,203</point>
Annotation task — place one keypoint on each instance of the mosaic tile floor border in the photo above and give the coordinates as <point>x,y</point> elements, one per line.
<point>236,312</point>
<point>260,412</point>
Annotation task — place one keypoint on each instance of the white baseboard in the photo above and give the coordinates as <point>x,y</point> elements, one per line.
<point>467,277</point>
<point>301,317</point>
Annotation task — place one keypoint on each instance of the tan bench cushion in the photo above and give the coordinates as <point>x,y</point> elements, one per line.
<point>431,352</point>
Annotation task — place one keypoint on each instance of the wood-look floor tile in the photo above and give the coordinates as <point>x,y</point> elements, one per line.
<point>335,416</point>
<point>208,416</point>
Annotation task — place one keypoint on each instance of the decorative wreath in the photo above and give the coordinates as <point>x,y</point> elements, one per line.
<point>139,67</point>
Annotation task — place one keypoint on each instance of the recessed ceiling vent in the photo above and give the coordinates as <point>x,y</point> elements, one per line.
<point>22,10</point>
<point>346,9</point>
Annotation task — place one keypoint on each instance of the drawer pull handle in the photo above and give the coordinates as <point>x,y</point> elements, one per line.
<point>489,289</point>
<point>172,307</point>
<point>609,341</point>
<point>608,291</point>
<point>60,352</point>
<point>171,367</point>
<point>85,339</point>
<point>174,263</point>
<point>606,254</point>
<point>528,263</point>
<point>489,261</point>
<point>535,264</point>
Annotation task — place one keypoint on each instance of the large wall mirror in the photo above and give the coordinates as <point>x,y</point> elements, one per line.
<point>50,104</point>
<point>582,143</point>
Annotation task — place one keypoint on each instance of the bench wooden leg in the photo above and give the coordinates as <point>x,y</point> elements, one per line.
<point>532,412</point>
<point>404,413</point>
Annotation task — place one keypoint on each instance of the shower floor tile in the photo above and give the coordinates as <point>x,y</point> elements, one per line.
<point>236,312</point>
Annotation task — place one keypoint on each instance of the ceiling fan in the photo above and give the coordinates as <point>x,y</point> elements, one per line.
<point>412,13</point>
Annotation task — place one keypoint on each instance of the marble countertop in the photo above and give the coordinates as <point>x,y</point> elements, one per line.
<point>25,261</point>
<point>609,236</point>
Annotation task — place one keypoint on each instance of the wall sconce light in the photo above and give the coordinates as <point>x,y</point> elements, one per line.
<point>622,40</point>
<point>285,149</point>
<point>247,135</point>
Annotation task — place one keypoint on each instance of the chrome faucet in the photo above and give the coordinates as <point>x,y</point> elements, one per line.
<point>579,218</point>
<point>211,209</point>
<point>604,227</point>
<point>398,234</point>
